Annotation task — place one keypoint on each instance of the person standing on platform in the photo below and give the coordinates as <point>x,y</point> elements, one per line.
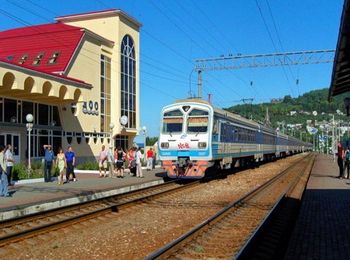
<point>49,160</point>
<point>131,161</point>
<point>340,160</point>
<point>347,161</point>
<point>61,165</point>
<point>102,162</point>
<point>138,158</point>
<point>3,176</point>
<point>154,160</point>
<point>70,160</point>
<point>150,155</point>
<point>120,158</point>
<point>9,163</point>
<point>110,159</point>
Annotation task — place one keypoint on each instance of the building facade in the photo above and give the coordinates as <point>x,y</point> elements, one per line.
<point>77,77</point>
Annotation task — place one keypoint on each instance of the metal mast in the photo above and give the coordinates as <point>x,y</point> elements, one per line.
<point>261,60</point>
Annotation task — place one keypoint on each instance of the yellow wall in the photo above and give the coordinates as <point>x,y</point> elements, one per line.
<point>114,29</point>
<point>85,66</point>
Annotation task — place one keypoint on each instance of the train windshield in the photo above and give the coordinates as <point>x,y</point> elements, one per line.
<point>197,121</point>
<point>172,122</point>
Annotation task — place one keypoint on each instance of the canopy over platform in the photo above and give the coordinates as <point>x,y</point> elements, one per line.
<point>340,82</point>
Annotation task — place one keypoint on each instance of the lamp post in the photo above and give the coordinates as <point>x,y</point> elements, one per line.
<point>144,131</point>
<point>111,126</point>
<point>29,125</point>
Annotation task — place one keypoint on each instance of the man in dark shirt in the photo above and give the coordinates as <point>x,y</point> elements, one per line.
<point>340,155</point>
<point>49,158</point>
<point>70,159</point>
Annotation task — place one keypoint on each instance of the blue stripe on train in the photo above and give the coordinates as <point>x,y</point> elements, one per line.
<point>239,154</point>
<point>175,153</point>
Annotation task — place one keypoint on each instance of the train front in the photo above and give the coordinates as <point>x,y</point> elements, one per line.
<point>185,139</point>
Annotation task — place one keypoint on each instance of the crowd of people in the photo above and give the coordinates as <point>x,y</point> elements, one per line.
<point>115,163</point>
<point>122,162</point>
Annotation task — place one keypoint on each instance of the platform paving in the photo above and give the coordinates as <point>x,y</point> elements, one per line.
<point>322,230</point>
<point>37,197</point>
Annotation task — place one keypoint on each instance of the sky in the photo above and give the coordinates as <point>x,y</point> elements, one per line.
<point>175,33</point>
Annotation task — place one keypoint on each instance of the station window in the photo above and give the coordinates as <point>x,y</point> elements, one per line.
<point>38,59</point>
<point>128,81</point>
<point>23,59</point>
<point>122,141</point>
<point>10,58</point>
<point>10,113</point>
<point>105,97</point>
<point>53,58</point>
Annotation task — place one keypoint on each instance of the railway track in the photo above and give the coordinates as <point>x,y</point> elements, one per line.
<point>12,231</point>
<point>230,231</point>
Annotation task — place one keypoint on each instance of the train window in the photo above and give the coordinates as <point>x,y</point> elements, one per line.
<point>172,125</point>
<point>197,112</point>
<point>176,112</point>
<point>227,133</point>
<point>215,127</point>
<point>197,124</point>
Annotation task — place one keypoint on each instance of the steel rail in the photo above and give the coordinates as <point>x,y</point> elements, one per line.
<point>288,189</point>
<point>112,207</point>
<point>220,213</point>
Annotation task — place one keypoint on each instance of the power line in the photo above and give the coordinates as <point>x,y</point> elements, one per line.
<point>279,39</point>
<point>273,42</point>
<point>210,34</point>
<point>186,34</point>
<point>170,79</point>
<point>21,21</point>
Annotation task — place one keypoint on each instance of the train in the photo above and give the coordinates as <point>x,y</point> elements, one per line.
<point>196,136</point>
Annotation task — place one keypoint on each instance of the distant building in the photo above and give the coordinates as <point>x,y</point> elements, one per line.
<point>276,100</point>
<point>76,76</point>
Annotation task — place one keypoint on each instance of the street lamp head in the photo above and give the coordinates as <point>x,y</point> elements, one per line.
<point>111,126</point>
<point>29,118</point>
<point>144,128</point>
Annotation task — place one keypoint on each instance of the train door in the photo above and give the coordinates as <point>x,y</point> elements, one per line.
<point>14,140</point>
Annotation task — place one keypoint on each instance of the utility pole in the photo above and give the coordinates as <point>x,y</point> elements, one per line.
<point>199,83</point>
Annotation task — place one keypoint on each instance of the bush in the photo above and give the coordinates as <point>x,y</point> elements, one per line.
<point>88,165</point>
<point>19,171</point>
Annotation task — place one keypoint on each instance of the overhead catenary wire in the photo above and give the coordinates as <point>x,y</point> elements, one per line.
<point>279,40</point>
<point>23,22</point>
<point>188,36</point>
<point>216,40</point>
<point>178,54</point>
<point>273,43</point>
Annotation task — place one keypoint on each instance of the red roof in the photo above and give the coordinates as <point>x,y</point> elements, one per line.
<point>31,68</point>
<point>45,39</point>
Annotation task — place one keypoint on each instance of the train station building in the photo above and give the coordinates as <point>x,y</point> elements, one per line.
<point>77,76</point>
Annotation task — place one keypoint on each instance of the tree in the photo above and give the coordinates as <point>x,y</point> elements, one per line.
<point>150,141</point>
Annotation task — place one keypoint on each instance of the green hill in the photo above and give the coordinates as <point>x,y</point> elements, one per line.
<point>296,110</point>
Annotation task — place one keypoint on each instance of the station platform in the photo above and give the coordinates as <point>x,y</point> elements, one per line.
<point>322,230</point>
<point>38,197</point>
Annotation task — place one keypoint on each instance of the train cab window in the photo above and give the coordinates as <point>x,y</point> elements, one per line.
<point>197,112</point>
<point>172,122</point>
<point>197,121</point>
<point>176,112</point>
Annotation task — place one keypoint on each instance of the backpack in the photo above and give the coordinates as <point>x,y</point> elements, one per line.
<point>347,156</point>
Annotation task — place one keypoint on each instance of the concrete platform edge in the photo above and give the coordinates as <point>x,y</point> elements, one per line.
<point>25,210</point>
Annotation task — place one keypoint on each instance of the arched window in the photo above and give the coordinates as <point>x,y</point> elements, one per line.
<point>128,81</point>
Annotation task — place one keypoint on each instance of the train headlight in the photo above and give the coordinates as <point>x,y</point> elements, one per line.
<point>164,145</point>
<point>202,145</point>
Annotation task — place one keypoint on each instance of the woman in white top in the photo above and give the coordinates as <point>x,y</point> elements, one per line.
<point>9,162</point>
<point>138,158</point>
<point>3,177</point>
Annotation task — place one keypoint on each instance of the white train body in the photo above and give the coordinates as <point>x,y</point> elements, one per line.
<point>195,136</point>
